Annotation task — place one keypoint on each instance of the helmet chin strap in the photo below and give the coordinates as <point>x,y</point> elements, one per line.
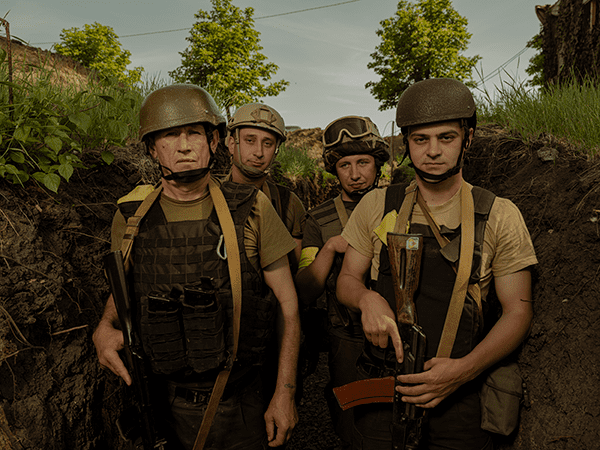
<point>357,195</point>
<point>187,176</point>
<point>435,179</point>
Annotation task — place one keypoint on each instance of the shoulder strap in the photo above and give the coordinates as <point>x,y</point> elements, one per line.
<point>133,224</point>
<point>467,243</point>
<point>341,210</point>
<point>235,276</point>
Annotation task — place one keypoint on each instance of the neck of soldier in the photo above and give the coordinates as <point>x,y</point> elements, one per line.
<point>439,193</point>
<point>185,192</point>
<point>238,177</point>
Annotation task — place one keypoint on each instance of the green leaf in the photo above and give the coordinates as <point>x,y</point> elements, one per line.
<point>81,120</point>
<point>21,134</point>
<point>17,156</point>
<point>107,157</point>
<point>50,180</point>
<point>54,143</point>
<point>65,170</point>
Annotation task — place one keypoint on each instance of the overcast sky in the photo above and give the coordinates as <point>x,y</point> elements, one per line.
<point>323,53</point>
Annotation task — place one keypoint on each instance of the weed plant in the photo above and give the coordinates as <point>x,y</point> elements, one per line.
<point>49,125</point>
<point>570,111</point>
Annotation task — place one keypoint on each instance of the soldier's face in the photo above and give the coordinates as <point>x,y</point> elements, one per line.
<point>183,148</point>
<point>435,148</point>
<point>257,148</point>
<point>356,172</point>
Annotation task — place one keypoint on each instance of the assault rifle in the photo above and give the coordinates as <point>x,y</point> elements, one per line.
<point>134,357</point>
<point>405,251</point>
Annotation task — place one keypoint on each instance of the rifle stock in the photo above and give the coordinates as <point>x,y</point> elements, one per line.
<point>134,357</point>
<point>405,252</point>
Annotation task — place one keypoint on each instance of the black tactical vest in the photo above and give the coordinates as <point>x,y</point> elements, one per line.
<point>168,256</point>
<point>437,277</point>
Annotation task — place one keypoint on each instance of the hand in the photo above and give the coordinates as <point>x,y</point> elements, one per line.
<point>440,378</point>
<point>108,341</point>
<point>281,418</point>
<point>379,323</point>
<point>337,243</point>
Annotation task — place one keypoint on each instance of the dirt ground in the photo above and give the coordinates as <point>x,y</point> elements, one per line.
<point>53,394</point>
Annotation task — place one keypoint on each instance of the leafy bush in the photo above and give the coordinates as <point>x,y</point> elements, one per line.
<point>47,128</point>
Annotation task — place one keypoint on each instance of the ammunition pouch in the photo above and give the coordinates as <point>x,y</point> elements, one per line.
<point>184,331</point>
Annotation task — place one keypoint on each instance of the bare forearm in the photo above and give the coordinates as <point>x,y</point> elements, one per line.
<point>288,336</point>
<point>311,280</point>
<point>350,291</point>
<point>508,333</point>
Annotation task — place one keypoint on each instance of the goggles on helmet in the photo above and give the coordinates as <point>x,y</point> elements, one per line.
<point>353,126</point>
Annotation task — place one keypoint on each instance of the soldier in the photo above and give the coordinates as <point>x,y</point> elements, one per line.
<point>178,251</point>
<point>255,132</point>
<point>438,119</point>
<point>354,152</point>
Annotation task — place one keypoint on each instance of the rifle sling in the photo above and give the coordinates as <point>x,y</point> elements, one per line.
<point>235,276</point>
<point>467,244</point>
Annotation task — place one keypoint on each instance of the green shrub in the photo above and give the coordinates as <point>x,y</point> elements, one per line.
<point>47,128</point>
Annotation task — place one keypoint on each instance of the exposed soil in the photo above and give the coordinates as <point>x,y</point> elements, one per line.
<point>53,394</point>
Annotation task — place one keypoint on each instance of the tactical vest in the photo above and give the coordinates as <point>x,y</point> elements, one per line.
<point>167,257</point>
<point>280,198</point>
<point>342,319</point>
<point>437,277</point>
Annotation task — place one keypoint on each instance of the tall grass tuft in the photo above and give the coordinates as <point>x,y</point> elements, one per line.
<point>570,111</point>
<point>296,163</point>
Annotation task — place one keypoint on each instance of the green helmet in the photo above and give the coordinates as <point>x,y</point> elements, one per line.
<point>435,100</point>
<point>176,105</point>
<point>258,115</point>
<point>352,135</point>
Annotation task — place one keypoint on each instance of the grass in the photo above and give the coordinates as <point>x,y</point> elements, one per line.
<point>570,111</point>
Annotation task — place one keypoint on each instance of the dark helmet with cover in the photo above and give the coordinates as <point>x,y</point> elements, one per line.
<point>352,135</point>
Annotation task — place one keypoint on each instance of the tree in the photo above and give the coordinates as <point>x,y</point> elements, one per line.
<point>224,57</point>
<point>421,41</point>
<point>536,62</point>
<point>97,47</point>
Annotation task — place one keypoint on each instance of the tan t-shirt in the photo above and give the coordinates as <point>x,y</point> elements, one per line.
<point>265,236</point>
<point>507,246</point>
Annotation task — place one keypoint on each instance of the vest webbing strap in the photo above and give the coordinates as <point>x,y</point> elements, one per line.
<point>341,210</point>
<point>235,276</point>
<point>133,225</point>
<point>467,245</point>
<point>411,193</point>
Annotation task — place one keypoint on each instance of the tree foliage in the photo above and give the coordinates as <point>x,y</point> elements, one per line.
<point>224,56</point>
<point>422,40</point>
<point>536,62</point>
<point>97,47</point>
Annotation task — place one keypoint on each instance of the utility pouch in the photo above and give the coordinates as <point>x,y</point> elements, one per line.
<point>163,337</point>
<point>203,322</point>
<point>501,395</point>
